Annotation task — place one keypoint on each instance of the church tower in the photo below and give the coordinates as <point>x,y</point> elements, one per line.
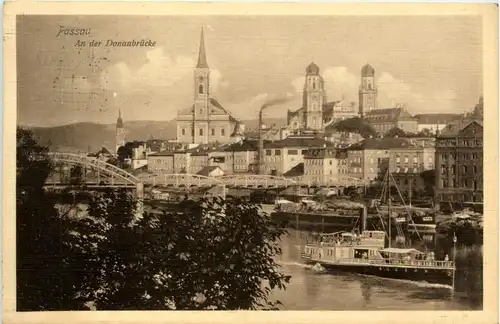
<point>313,98</point>
<point>202,96</point>
<point>120,132</point>
<point>367,90</point>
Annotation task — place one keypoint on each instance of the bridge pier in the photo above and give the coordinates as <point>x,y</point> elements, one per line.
<point>139,190</point>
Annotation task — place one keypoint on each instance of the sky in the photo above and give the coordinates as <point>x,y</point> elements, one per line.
<point>428,63</point>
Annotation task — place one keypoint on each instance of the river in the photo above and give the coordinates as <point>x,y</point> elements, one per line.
<point>310,289</point>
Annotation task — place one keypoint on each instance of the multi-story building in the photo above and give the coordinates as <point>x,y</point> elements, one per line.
<point>242,157</point>
<point>161,162</point>
<point>281,156</point>
<point>319,164</point>
<point>459,162</point>
<point>383,120</point>
<point>368,159</point>
<point>206,121</point>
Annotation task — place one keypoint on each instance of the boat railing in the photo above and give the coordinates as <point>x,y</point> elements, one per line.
<point>418,263</point>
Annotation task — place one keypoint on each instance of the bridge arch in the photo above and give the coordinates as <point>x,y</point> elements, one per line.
<point>103,167</point>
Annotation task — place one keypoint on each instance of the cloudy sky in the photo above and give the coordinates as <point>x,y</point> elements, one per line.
<point>431,64</point>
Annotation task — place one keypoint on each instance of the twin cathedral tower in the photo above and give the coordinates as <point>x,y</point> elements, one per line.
<point>207,121</point>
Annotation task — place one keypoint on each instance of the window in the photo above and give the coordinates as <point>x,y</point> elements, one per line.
<point>406,159</point>
<point>201,111</point>
<point>277,152</point>
<point>314,85</point>
<point>464,168</point>
<point>397,169</point>
<point>398,160</point>
<point>331,162</point>
<point>415,160</point>
<point>406,170</point>
<point>201,131</point>
<point>444,183</point>
<point>268,152</point>
<point>200,89</point>
<point>213,131</point>
<point>453,169</point>
<point>183,131</point>
<point>474,169</point>
<point>464,183</point>
<point>222,132</point>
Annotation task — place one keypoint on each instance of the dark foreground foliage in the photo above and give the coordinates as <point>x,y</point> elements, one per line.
<point>208,254</point>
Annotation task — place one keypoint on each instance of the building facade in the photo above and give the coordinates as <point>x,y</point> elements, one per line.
<point>383,120</point>
<point>459,162</point>
<point>320,164</point>
<point>206,121</point>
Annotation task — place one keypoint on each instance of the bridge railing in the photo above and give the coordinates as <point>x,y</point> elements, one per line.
<point>256,181</point>
<point>329,181</point>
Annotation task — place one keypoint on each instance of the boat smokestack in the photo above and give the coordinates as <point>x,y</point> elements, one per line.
<point>362,219</point>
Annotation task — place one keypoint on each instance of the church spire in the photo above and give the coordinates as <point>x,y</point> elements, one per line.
<point>119,121</point>
<point>202,56</point>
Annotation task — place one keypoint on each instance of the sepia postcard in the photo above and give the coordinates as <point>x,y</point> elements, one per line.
<point>295,163</point>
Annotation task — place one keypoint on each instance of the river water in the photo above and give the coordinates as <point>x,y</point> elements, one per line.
<point>313,289</point>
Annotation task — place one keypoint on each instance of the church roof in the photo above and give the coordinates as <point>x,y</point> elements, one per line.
<point>367,71</point>
<point>202,55</point>
<point>216,104</point>
<point>312,69</point>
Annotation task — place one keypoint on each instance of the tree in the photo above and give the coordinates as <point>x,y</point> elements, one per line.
<point>395,132</point>
<point>39,257</point>
<point>210,254</point>
<point>355,125</point>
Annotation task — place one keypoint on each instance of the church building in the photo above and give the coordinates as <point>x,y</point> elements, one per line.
<point>120,132</point>
<point>316,113</point>
<point>367,90</point>
<point>206,121</point>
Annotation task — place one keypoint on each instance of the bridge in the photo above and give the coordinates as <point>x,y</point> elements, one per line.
<point>256,181</point>
<point>92,172</point>
<point>98,173</point>
<point>337,181</point>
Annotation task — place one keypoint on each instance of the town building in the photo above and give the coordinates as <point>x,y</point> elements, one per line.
<point>459,162</point>
<point>432,123</point>
<point>120,132</point>
<point>281,156</point>
<point>370,158</point>
<point>383,120</point>
<point>321,164</point>
<point>206,121</point>
<point>242,157</point>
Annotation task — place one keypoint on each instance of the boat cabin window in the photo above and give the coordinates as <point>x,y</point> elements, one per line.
<point>361,253</point>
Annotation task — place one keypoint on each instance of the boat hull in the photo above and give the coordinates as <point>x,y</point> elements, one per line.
<point>429,275</point>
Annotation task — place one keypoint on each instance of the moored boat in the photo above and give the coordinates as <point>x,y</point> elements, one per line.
<point>366,254</point>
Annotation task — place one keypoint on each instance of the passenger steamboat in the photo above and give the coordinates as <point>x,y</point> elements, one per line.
<point>368,253</point>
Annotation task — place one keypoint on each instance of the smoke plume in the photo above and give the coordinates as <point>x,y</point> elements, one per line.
<point>276,101</point>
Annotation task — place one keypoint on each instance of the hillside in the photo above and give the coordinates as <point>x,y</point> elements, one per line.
<point>81,137</point>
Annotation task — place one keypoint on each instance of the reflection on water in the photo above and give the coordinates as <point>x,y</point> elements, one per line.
<point>313,289</point>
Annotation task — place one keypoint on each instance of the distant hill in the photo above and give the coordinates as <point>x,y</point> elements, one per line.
<point>81,137</point>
